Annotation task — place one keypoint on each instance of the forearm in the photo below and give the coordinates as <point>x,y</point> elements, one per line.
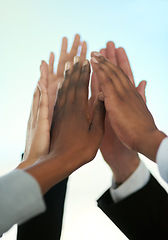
<point>51,169</point>
<point>137,180</point>
<point>49,224</point>
<point>21,199</point>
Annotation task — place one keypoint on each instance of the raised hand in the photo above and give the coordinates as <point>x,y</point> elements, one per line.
<point>74,138</point>
<point>38,128</point>
<point>122,160</point>
<point>72,131</point>
<point>55,79</point>
<point>128,114</point>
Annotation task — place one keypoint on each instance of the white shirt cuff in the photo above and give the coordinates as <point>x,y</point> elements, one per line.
<point>136,181</point>
<point>162,159</point>
<point>20,199</point>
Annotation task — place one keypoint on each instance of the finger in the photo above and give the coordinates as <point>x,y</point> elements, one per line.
<point>44,73</point>
<point>83,52</point>
<point>111,53</point>
<point>124,64</point>
<point>83,84</point>
<point>95,88</point>
<point>43,109</point>
<point>62,92</point>
<point>74,49</point>
<point>97,125</point>
<point>51,63</point>
<point>61,100</point>
<point>73,81</point>
<point>105,83</point>
<point>35,105</point>
<point>115,73</point>
<point>141,89</point>
<point>103,52</point>
<point>62,58</point>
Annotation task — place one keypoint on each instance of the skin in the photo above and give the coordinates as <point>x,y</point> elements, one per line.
<point>74,138</point>
<point>38,128</point>
<point>122,161</point>
<point>55,79</point>
<point>128,114</point>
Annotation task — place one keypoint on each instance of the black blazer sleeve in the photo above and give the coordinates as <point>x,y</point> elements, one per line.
<point>48,224</point>
<point>142,215</point>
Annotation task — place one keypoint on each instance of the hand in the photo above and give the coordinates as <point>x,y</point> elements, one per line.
<point>55,79</point>
<point>121,160</point>
<point>128,114</point>
<point>71,129</point>
<point>38,128</point>
<point>74,138</point>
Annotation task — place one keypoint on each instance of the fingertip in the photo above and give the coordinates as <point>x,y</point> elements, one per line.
<point>51,58</point>
<point>77,37</point>
<point>120,50</point>
<point>64,39</point>
<point>110,44</point>
<point>103,52</point>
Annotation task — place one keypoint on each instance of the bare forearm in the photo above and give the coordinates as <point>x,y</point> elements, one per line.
<point>50,170</point>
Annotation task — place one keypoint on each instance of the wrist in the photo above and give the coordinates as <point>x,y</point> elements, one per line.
<point>52,168</point>
<point>123,165</point>
<point>150,145</point>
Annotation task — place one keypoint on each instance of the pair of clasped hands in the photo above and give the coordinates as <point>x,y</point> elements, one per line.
<point>66,129</point>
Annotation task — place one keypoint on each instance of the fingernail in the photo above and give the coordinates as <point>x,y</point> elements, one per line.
<point>85,63</point>
<point>97,54</point>
<point>76,59</point>
<point>67,66</point>
<point>94,60</point>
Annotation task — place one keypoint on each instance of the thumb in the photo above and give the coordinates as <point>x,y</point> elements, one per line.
<point>97,126</point>
<point>141,89</point>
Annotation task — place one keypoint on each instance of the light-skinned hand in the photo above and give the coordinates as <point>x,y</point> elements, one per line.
<point>54,79</point>
<point>38,128</point>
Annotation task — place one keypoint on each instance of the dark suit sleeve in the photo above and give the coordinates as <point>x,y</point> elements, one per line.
<point>142,215</point>
<point>47,225</point>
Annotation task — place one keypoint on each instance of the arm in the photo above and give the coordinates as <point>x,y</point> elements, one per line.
<point>142,215</point>
<point>48,225</point>
<point>20,199</point>
<point>77,141</point>
<point>122,161</point>
<point>133,123</point>
<point>129,175</point>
